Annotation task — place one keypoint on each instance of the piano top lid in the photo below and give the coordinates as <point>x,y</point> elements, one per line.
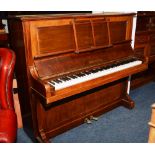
<point>70,15</point>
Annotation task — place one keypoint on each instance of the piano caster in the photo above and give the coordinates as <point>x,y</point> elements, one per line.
<point>93,118</point>
<point>88,121</point>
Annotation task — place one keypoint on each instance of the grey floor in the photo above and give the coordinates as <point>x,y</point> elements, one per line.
<point>117,126</point>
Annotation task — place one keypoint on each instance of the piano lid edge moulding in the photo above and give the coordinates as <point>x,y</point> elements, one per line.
<point>71,67</point>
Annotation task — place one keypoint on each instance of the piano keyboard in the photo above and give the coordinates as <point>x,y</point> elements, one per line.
<point>77,78</point>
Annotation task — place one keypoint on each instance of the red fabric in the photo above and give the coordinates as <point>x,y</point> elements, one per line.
<point>8,119</point>
<point>7,62</point>
<point>8,126</point>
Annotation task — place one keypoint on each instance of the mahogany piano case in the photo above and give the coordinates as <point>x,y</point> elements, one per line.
<point>56,49</point>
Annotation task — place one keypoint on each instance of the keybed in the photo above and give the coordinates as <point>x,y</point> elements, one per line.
<point>70,80</point>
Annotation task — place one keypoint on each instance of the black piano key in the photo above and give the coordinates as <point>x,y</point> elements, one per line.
<point>89,72</point>
<point>105,67</point>
<point>100,69</point>
<point>64,79</point>
<point>61,78</point>
<point>97,70</point>
<point>120,63</point>
<point>57,81</point>
<point>126,61</point>
<point>52,83</point>
<point>94,71</point>
<point>73,76</point>
<point>110,66</point>
<point>67,78</point>
<point>79,74</point>
<point>84,73</point>
<point>115,65</point>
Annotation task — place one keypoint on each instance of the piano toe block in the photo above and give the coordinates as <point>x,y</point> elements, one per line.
<point>128,102</point>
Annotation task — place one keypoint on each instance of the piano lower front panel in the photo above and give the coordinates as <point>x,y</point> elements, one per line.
<point>72,111</point>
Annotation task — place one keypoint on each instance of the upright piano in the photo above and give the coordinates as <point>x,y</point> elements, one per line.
<point>72,68</point>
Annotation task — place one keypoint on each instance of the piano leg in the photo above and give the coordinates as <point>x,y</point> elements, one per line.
<point>36,131</point>
<point>128,102</point>
<point>41,123</point>
<point>42,138</point>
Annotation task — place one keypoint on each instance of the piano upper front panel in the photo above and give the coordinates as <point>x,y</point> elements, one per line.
<point>56,38</point>
<point>84,34</point>
<point>91,33</point>
<point>51,36</point>
<point>118,31</point>
<point>120,28</point>
<point>101,33</point>
<point>73,34</point>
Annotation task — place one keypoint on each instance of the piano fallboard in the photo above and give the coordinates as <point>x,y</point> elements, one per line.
<point>63,64</point>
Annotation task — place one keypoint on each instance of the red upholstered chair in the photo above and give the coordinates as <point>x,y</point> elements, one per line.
<point>8,119</point>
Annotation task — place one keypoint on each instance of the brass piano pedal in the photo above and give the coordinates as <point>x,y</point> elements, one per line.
<point>88,121</point>
<point>93,118</point>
